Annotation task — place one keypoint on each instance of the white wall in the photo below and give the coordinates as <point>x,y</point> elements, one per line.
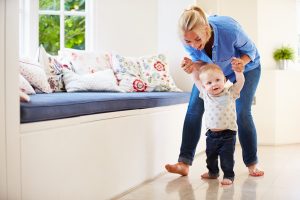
<point>127,27</point>
<point>9,136</point>
<point>169,43</point>
<point>270,24</point>
<point>277,26</point>
<point>2,107</point>
<point>277,110</point>
<point>235,9</point>
<point>137,28</point>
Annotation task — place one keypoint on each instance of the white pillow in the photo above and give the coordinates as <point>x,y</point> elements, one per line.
<point>85,62</point>
<point>35,75</point>
<point>25,85</point>
<point>104,80</point>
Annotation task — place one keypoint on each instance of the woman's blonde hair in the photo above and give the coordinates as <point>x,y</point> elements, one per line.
<point>191,19</point>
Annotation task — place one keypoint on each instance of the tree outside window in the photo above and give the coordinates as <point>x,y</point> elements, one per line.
<point>62,24</point>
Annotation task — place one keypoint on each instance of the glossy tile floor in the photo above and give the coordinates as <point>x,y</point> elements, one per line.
<point>281,180</point>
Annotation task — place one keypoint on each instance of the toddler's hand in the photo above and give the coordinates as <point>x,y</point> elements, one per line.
<point>187,65</point>
<point>237,64</point>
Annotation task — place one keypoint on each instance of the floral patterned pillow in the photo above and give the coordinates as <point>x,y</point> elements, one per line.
<point>35,75</point>
<point>85,62</point>
<point>25,86</point>
<point>127,71</point>
<point>53,67</point>
<point>144,74</point>
<point>156,73</point>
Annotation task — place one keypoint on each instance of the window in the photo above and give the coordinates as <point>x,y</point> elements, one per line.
<point>298,27</point>
<point>55,24</point>
<point>62,24</point>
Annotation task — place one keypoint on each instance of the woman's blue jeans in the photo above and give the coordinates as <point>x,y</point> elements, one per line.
<point>246,128</point>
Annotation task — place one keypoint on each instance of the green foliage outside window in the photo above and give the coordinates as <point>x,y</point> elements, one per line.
<point>74,32</point>
<point>49,4</point>
<point>49,26</point>
<point>49,33</point>
<point>75,5</point>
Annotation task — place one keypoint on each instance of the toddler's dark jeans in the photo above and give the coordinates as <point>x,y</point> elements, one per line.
<point>221,143</point>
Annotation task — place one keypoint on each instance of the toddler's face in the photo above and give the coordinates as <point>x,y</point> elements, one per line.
<point>213,82</point>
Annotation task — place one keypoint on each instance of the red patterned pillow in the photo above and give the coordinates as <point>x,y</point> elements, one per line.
<point>128,74</point>
<point>155,72</point>
<point>144,74</point>
<point>53,67</point>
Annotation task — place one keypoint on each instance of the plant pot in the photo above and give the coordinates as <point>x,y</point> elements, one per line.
<point>283,64</point>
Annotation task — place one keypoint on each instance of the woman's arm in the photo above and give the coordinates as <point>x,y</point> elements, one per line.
<point>238,64</point>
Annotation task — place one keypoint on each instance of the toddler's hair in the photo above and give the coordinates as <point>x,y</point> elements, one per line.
<point>192,18</point>
<point>210,67</point>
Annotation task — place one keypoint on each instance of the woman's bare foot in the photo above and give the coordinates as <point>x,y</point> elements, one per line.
<point>207,176</point>
<point>255,171</point>
<point>226,181</point>
<point>178,168</point>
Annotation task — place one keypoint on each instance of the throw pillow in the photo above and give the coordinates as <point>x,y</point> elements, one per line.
<point>104,80</point>
<point>53,67</point>
<point>25,85</point>
<point>128,73</point>
<point>144,74</point>
<point>155,72</point>
<point>85,62</point>
<point>35,75</point>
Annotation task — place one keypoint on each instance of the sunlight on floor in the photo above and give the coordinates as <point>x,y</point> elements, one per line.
<point>282,174</point>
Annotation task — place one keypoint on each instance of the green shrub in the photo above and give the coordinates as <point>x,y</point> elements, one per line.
<point>284,53</point>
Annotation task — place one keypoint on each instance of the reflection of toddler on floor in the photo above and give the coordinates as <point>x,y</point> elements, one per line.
<point>220,118</point>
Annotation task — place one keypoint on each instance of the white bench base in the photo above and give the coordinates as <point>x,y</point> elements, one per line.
<point>98,156</point>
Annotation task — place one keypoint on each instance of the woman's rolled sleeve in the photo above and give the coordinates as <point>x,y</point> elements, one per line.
<point>244,45</point>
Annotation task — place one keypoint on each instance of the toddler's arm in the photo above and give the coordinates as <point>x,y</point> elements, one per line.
<point>189,66</point>
<point>240,80</point>
<point>196,79</point>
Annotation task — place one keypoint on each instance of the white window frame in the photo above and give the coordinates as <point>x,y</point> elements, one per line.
<point>29,22</point>
<point>298,29</point>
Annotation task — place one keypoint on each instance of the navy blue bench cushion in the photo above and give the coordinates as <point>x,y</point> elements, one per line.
<point>44,107</point>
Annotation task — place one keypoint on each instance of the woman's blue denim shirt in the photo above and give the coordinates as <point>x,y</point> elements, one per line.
<point>230,41</point>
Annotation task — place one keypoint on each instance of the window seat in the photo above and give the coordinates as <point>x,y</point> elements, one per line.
<point>74,145</point>
<point>62,105</point>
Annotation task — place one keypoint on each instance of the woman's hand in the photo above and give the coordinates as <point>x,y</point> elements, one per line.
<point>238,64</point>
<point>187,65</point>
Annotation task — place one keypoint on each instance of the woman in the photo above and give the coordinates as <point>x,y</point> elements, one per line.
<point>219,40</point>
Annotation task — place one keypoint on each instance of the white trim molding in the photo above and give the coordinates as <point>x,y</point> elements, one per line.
<point>10,137</point>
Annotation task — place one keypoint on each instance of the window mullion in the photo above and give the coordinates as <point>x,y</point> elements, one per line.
<point>62,25</point>
<point>49,12</point>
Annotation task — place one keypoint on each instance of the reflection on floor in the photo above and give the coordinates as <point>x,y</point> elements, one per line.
<point>281,180</point>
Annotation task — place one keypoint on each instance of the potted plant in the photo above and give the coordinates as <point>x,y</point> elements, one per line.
<point>283,55</point>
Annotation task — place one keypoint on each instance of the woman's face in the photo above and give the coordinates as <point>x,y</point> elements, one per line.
<point>196,39</point>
